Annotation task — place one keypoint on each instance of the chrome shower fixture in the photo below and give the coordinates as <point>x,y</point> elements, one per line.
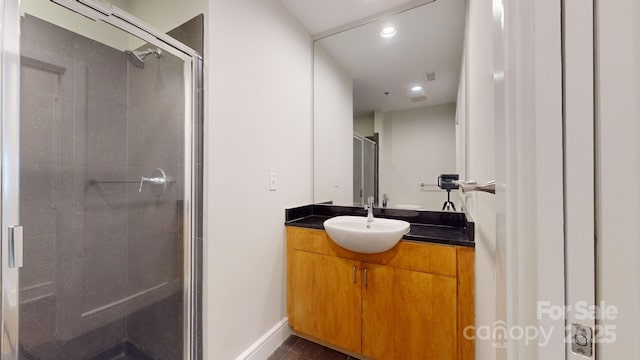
<point>136,57</point>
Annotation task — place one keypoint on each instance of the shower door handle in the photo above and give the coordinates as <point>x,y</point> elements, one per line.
<point>15,246</point>
<point>472,185</point>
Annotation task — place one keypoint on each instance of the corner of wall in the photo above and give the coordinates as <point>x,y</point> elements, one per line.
<point>267,343</point>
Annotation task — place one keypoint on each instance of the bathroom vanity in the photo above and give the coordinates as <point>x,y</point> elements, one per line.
<point>413,301</point>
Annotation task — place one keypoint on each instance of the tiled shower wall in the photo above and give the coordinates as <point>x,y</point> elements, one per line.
<point>86,113</point>
<point>73,128</point>
<point>156,140</point>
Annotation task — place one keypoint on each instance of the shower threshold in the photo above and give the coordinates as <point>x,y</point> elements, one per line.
<point>126,350</point>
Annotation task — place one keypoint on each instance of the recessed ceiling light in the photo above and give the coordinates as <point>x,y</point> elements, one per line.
<point>388,32</point>
<point>416,88</point>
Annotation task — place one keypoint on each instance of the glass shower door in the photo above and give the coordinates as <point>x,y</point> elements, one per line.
<point>103,189</point>
<point>365,177</point>
<point>358,190</point>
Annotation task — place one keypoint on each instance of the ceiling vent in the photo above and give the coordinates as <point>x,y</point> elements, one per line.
<point>430,76</point>
<point>417,98</point>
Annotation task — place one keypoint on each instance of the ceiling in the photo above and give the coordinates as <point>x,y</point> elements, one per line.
<point>318,16</point>
<point>429,39</point>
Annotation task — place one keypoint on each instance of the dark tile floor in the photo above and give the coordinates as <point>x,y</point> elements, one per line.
<point>295,348</point>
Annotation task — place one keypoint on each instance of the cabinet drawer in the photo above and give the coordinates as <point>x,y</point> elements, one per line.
<point>425,257</point>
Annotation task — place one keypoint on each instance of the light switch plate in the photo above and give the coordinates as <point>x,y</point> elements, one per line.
<point>273,181</point>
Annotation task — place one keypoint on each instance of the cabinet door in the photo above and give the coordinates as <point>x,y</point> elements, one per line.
<point>408,315</point>
<point>326,298</point>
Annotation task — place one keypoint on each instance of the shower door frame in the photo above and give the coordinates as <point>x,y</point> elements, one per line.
<point>364,140</point>
<point>10,162</point>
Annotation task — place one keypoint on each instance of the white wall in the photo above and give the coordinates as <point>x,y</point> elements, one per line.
<point>618,173</point>
<point>480,161</point>
<point>363,125</point>
<point>164,14</point>
<point>419,145</point>
<point>384,160</point>
<point>259,68</point>
<point>333,129</point>
<point>461,125</point>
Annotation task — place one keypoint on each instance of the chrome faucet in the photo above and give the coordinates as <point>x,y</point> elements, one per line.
<point>369,207</point>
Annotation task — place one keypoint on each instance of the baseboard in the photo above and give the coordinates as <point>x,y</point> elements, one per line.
<point>268,343</point>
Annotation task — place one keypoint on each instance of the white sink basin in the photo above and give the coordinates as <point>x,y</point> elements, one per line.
<point>356,234</point>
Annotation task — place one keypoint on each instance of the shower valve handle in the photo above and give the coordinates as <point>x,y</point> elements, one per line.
<point>153,181</point>
<point>160,179</point>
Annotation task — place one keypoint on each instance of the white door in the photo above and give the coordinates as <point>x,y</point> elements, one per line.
<point>579,177</point>
<point>514,134</point>
<point>589,196</point>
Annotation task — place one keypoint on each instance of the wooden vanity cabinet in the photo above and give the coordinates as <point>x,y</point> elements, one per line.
<point>327,298</point>
<point>411,302</point>
<point>408,314</point>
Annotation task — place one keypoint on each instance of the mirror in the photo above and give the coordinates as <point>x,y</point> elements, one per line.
<point>385,111</point>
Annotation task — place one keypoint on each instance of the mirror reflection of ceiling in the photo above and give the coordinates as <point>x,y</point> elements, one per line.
<point>318,16</point>
<point>429,39</point>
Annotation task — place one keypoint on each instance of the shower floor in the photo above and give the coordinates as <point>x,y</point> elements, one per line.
<point>123,351</point>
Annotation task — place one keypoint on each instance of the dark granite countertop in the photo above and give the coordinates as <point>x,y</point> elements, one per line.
<point>431,227</point>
